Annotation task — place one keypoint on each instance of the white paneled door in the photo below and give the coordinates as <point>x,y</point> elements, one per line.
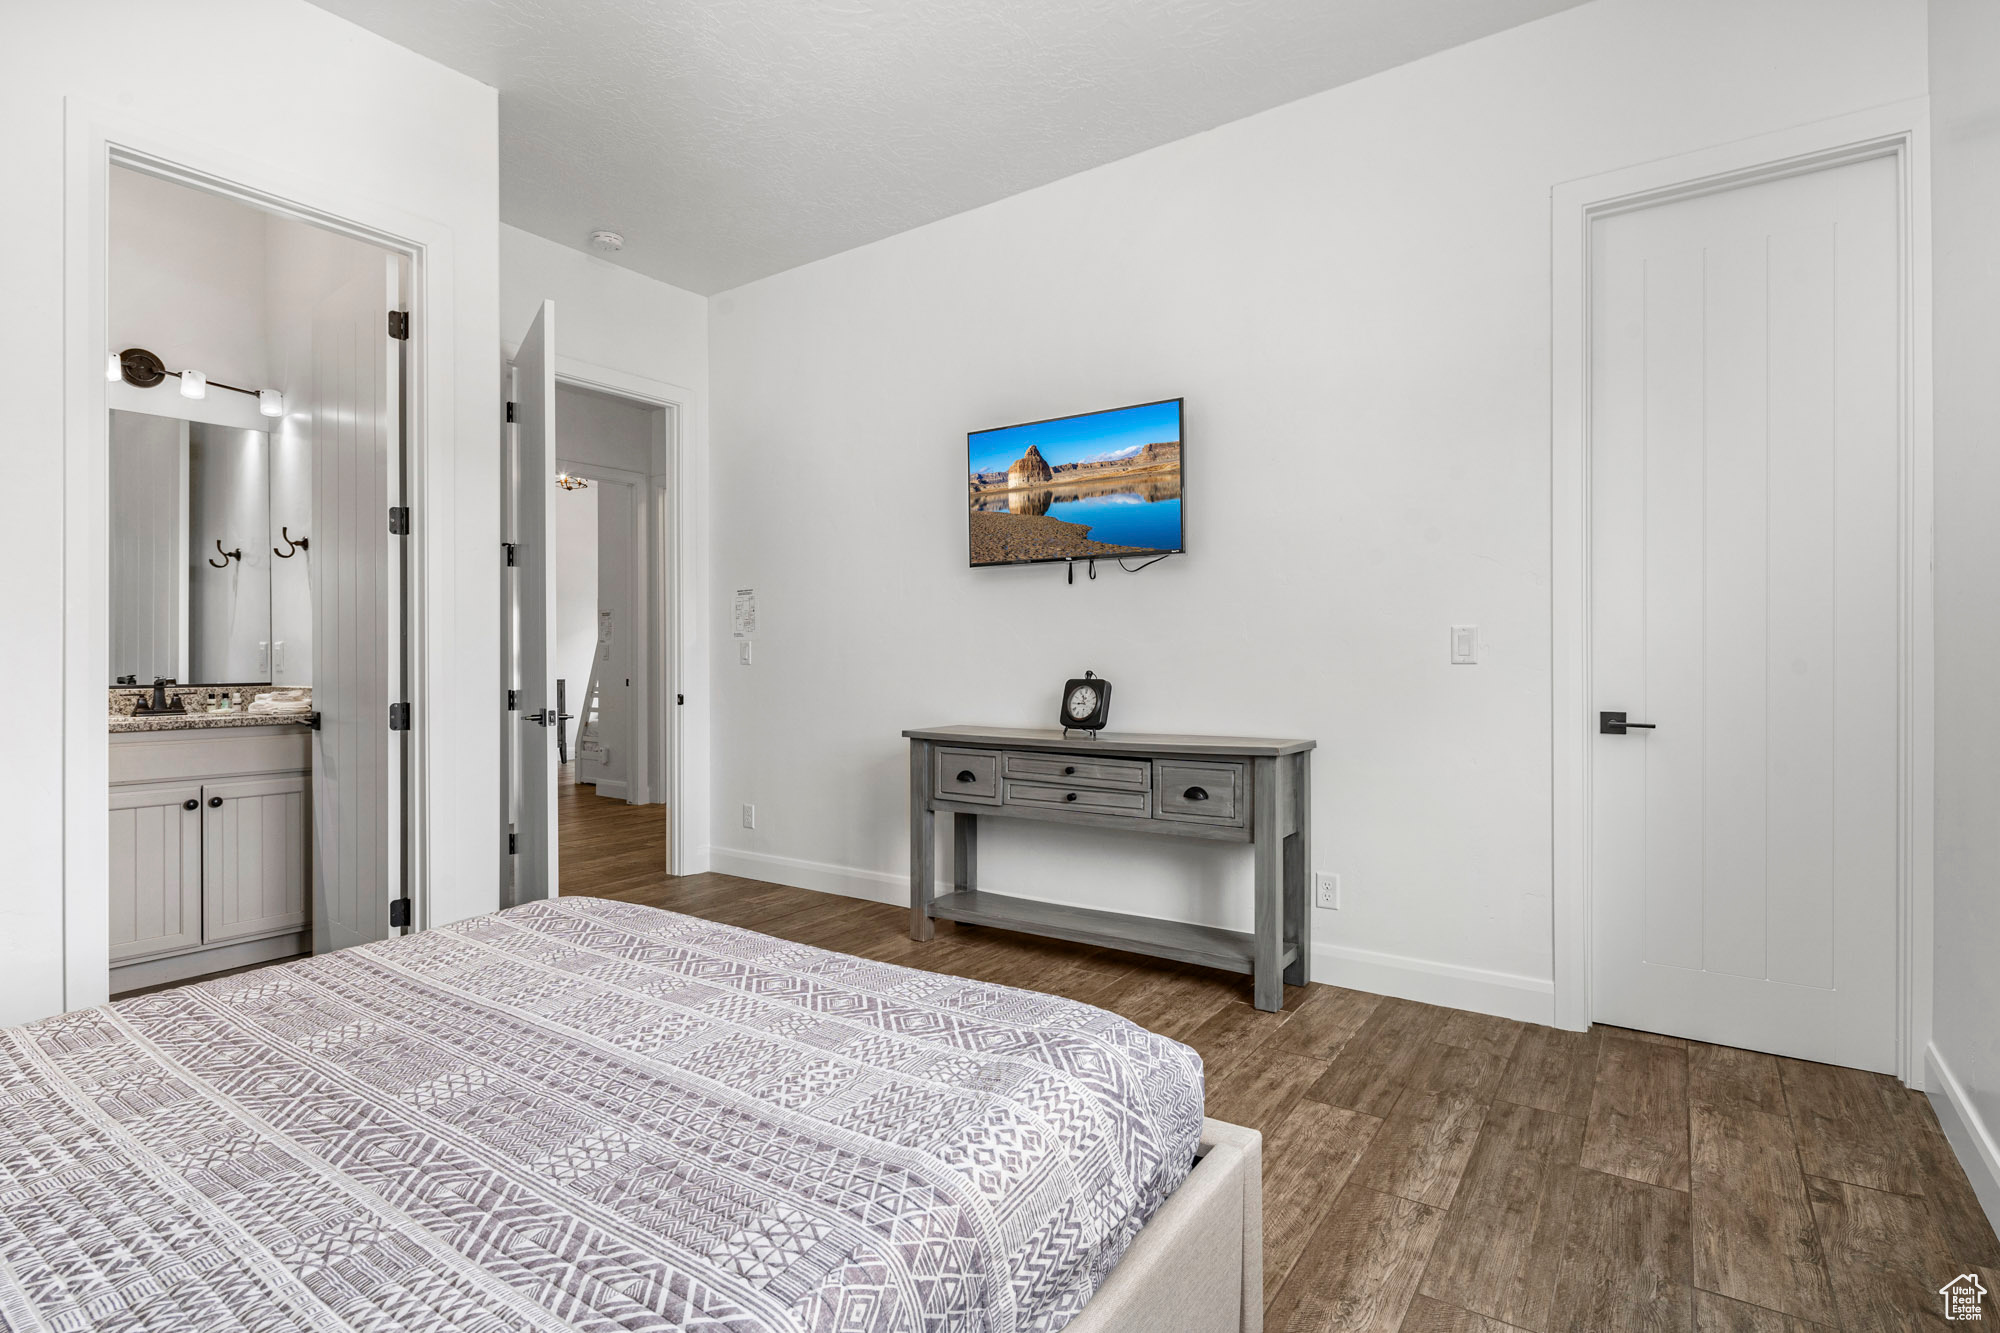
<point>357,587</point>
<point>533,619</point>
<point>1745,415</point>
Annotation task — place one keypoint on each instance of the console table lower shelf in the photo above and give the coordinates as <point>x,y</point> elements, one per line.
<point>1214,788</point>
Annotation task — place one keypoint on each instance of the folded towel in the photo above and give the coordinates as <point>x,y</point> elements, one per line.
<point>284,703</point>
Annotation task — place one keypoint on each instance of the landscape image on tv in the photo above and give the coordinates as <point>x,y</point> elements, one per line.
<point>1101,484</point>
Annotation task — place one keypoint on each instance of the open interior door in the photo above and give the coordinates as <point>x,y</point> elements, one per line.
<point>355,412</point>
<point>533,622</point>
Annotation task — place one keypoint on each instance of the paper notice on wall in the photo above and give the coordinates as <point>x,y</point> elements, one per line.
<point>746,612</point>
<point>604,627</point>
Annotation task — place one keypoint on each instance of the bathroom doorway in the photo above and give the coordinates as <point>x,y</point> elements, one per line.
<point>256,384</point>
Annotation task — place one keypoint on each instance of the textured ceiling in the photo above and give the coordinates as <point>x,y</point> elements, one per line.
<point>730,139</point>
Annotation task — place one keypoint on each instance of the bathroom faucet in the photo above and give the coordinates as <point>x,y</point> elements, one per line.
<point>158,703</point>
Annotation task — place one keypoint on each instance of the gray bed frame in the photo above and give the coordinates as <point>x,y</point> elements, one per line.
<point>1198,1266</point>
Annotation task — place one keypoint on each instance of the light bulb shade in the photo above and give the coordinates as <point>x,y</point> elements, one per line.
<point>194,384</point>
<point>114,369</point>
<point>270,402</point>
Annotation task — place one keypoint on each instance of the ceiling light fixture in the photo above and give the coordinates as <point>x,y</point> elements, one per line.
<point>608,241</point>
<point>569,483</point>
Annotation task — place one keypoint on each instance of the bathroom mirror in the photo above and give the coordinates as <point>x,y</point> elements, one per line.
<point>209,557</point>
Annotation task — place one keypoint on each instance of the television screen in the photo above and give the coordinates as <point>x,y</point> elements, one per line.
<point>1100,484</point>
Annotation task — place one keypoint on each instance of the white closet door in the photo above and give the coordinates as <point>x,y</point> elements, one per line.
<point>532,482</point>
<point>1745,398</point>
<point>357,609</point>
<point>155,868</point>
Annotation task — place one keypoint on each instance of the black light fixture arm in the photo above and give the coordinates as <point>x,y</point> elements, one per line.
<point>143,370</point>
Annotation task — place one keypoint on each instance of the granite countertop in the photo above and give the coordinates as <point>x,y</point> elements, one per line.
<point>120,723</point>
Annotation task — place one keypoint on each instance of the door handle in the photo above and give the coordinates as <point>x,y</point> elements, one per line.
<point>542,718</point>
<point>1614,724</point>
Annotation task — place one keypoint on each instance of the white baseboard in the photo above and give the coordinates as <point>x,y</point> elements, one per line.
<point>1505,994</point>
<point>609,788</point>
<point>820,876</point>
<point>1970,1138</point>
<point>1528,999</point>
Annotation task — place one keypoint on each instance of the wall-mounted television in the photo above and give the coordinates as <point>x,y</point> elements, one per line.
<point>1098,485</point>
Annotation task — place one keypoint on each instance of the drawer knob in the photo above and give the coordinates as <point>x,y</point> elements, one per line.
<point>965,775</point>
<point>1195,794</point>
<point>1069,771</point>
<point>215,802</point>
<point>191,804</point>
<point>1069,796</point>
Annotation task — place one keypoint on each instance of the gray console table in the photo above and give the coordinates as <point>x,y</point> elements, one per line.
<point>1223,788</point>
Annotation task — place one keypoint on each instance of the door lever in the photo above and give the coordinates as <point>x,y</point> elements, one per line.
<point>1614,724</point>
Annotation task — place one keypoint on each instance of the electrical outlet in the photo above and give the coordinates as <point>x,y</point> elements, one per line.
<point>1326,891</point>
<point>743,651</point>
<point>749,816</point>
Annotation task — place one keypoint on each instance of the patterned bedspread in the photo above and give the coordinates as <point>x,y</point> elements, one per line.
<point>581,1114</point>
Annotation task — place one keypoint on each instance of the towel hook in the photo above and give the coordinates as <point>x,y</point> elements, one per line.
<point>227,556</point>
<point>297,546</point>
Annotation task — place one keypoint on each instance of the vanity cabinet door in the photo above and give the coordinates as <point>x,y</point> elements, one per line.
<point>155,876</point>
<point>256,846</point>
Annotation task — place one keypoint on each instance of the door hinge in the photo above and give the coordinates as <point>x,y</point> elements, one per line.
<point>399,912</point>
<point>399,324</point>
<point>399,717</point>
<point>399,520</point>
<point>508,549</point>
<point>513,842</point>
<point>510,414</point>
<point>513,701</point>
<point>680,699</point>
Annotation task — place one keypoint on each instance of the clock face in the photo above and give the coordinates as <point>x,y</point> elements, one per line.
<point>1082,702</point>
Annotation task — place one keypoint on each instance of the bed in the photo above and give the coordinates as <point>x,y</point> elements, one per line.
<point>590,1114</point>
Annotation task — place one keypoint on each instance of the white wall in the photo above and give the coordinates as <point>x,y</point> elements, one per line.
<point>642,334</point>
<point>187,280</point>
<point>335,114</point>
<point>610,432</point>
<point>1965,216</point>
<point>1352,291</point>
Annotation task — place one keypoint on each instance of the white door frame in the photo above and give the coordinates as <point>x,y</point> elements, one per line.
<point>1899,131</point>
<point>670,600</point>
<point>641,611</point>
<point>95,138</point>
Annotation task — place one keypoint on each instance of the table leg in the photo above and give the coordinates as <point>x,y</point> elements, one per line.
<point>1268,985</point>
<point>1298,871</point>
<point>923,842</point>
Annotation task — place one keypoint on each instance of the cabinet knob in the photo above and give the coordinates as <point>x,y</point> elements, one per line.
<point>965,775</point>
<point>1069,796</point>
<point>191,804</point>
<point>215,802</point>
<point>1195,794</point>
<point>1069,771</point>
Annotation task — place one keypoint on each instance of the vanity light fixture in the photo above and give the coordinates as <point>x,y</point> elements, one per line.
<point>114,369</point>
<point>270,402</point>
<point>142,370</point>
<point>194,384</point>
<point>569,483</point>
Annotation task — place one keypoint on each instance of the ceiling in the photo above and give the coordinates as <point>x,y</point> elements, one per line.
<point>731,139</point>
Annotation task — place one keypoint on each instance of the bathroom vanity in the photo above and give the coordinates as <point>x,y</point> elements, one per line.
<point>211,844</point>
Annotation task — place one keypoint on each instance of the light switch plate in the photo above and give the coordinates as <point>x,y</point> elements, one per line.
<point>1326,891</point>
<point>743,651</point>
<point>749,816</point>
<point>1465,645</point>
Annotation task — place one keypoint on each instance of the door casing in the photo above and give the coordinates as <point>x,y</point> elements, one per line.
<point>1900,131</point>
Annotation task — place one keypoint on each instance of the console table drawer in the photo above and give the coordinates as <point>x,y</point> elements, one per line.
<point>1201,793</point>
<point>1091,800</point>
<point>1077,770</point>
<point>968,775</point>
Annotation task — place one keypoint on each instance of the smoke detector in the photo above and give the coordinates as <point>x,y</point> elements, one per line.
<point>608,241</point>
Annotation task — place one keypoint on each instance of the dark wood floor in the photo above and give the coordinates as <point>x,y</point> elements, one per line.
<point>1435,1171</point>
